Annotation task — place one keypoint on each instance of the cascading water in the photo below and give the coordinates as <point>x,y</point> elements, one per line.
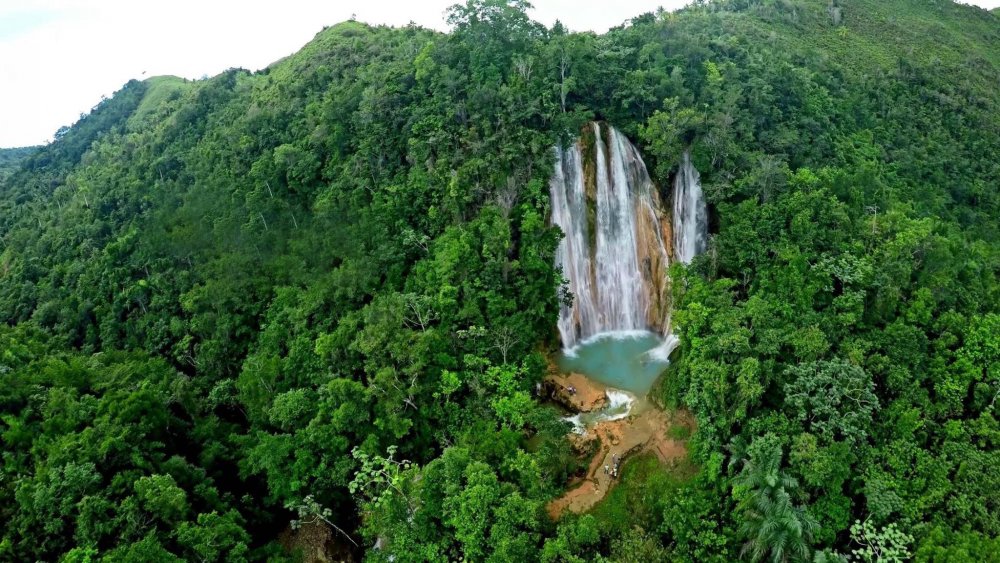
<point>614,253</point>
<point>690,213</point>
<point>619,405</point>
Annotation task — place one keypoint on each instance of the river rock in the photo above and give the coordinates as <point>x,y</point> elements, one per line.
<point>588,396</point>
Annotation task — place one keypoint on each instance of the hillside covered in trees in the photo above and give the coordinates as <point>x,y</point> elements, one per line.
<point>10,160</point>
<point>316,300</point>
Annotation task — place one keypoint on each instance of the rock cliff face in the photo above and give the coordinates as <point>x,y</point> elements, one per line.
<point>618,237</point>
<point>655,236</point>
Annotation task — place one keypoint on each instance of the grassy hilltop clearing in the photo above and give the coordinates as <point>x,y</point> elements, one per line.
<point>302,312</point>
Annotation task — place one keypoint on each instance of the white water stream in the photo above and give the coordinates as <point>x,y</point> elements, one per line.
<point>690,213</point>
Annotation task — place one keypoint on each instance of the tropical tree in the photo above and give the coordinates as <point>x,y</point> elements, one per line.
<point>775,528</point>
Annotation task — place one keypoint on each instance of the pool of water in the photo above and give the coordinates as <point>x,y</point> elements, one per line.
<point>624,360</point>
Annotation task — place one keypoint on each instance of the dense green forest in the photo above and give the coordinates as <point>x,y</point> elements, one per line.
<point>10,160</point>
<point>319,296</point>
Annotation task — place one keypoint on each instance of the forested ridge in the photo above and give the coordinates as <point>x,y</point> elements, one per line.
<point>315,300</point>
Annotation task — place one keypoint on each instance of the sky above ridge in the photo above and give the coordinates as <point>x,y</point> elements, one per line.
<point>58,57</point>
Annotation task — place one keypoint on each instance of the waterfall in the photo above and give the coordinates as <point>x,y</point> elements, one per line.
<point>614,253</point>
<point>614,257</point>
<point>690,213</point>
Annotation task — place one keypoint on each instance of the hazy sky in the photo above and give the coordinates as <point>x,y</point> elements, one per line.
<point>58,57</point>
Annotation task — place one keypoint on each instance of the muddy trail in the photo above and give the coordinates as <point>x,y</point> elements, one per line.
<point>645,429</point>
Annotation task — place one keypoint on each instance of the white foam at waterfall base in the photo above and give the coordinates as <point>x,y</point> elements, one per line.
<point>619,406</point>
<point>612,335</point>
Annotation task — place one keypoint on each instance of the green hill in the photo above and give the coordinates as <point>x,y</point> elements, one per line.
<point>321,294</point>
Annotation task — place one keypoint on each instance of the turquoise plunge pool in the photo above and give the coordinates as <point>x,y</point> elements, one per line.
<point>629,360</point>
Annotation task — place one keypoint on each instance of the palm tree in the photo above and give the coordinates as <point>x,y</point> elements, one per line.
<point>775,528</point>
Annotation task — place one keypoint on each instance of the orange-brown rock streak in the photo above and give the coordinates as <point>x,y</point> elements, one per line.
<point>653,234</point>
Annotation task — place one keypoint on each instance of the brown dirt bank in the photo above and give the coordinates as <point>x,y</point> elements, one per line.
<point>646,429</point>
<point>574,391</point>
